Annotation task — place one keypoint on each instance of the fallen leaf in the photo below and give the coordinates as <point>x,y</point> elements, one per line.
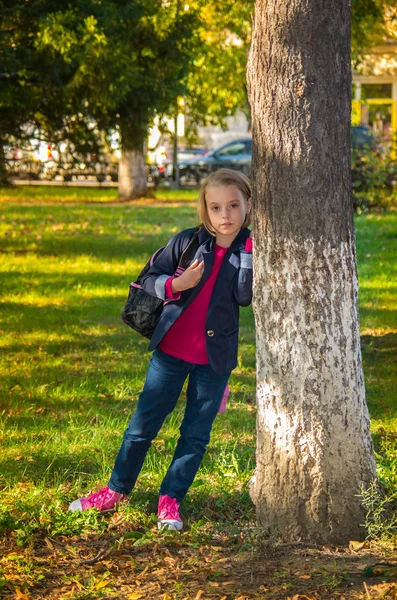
<point>19,594</point>
<point>102,584</point>
<point>49,543</point>
<point>357,546</point>
<point>199,594</point>
<point>159,572</point>
<point>134,596</point>
<point>144,572</point>
<point>222,560</point>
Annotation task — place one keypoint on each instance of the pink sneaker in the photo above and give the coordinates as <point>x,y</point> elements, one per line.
<point>168,514</point>
<point>105,500</point>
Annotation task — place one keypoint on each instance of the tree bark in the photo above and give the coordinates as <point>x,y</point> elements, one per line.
<point>4,178</point>
<point>132,175</point>
<point>314,449</point>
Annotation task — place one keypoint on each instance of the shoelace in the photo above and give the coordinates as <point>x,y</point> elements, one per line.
<point>99,498</point>
<point>169,509</point>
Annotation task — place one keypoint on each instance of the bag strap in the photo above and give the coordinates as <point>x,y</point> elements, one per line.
<point>189,252</point>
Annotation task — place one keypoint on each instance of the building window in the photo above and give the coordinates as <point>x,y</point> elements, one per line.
<point>376,90</point>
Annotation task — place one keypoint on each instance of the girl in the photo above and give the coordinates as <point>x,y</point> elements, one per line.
<point>196,337</point>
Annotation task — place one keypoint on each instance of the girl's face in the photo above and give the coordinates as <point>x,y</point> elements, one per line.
<point>227,209</point>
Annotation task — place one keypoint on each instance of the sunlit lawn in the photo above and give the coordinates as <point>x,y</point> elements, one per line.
<point>70,193</point>
<point>71,371</point>
<point>377,268</point>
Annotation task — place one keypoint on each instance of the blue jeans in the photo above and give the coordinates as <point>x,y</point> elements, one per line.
<point>164,381</point>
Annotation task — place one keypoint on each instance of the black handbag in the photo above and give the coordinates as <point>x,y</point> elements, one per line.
<point>142,311</point>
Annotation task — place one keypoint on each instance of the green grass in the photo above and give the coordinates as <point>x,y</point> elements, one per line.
<point>48,193</point>
<point>71,371</point>
<point>377,267</point>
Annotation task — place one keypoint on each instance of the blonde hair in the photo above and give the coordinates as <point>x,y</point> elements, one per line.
<point>222,178</point>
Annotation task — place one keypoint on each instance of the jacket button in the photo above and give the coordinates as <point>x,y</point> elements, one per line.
<point>210,333</point>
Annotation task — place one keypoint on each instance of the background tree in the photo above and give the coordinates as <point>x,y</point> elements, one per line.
<point>81,73</point>
<point>129,60</point>
<point>216,81</point>
<point>36,97</point>
<point>19,89</point>
<point>314,449</point>
<point>372,20</point>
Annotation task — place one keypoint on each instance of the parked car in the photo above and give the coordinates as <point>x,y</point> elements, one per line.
<point>233,155</point>
<point>185,154</point>
<point>238,153</point>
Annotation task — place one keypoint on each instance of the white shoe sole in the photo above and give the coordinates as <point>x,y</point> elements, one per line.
<point>170,524</point>
<point>75,506</point>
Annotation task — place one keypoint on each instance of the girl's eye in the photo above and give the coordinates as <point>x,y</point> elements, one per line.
<point>235,205</point>
<point>214,208</point>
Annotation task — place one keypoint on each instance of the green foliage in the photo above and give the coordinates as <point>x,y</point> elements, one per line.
<point>216,83</point>
<point>129,58</point>
<point>332,576</point>
<point>34,96</point>
<point>92,67</point>
<point>374,175</point>
<point>18,572</point>
<point>381,515</point>
<point>373,21</point>
<point>80,72</point>
<point>368,24</point>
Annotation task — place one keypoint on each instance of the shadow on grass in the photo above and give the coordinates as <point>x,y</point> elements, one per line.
<point>222,505</point>
<point>380,369</point>
<point>48,284</point>
<point>50,467</point>
<point>103,247</point>
<point>93,311</point>
<point>43,455</point>
<point>130,231</point>
<point>379,317</point>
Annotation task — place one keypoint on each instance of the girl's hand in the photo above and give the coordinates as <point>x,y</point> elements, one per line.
<point>189,278</point>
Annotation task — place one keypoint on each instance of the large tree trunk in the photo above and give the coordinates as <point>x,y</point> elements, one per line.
<point>314,450</point>
<point>132,176</point>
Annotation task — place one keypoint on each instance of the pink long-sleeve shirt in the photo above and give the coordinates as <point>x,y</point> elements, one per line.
<point>186,337</point>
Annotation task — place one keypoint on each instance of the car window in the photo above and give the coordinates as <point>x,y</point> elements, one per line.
<point>232,149</point>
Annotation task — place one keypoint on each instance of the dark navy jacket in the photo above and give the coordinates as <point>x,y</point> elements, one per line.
<point>233,288</point>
